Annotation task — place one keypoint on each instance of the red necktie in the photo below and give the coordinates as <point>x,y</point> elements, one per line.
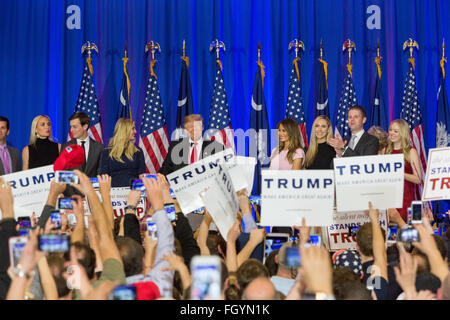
<point>194,153</point>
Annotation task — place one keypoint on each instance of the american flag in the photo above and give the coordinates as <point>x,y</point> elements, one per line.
<point>347,100</point>
<point>219,114</point>
<point>294,106</point>
<point>87,103</point>
<point>153,139</point>
<point>411,114</point>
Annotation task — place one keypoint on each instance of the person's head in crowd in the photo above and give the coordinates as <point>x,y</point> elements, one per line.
<point>4,130</point>
<point>57,269</point>
<point>283,270</point>
<point>216,244</point>
<point>422,259</point>
<point>321,132</point>
<point>364,242</point>
<point>193,124</point>
<point>288,135</point>
<point>41,128</point>
<point>260,288</point>
<point>132,255</point>
<point>381,135</point>
<point>79,125</point>
<point>399,138</point>
<point>270,263</point>
<point>232,290</point>
<point>427,281</point>
<point>356,118</point>
<point>348,259</point>
<point>86,257</point>
<point>122,142</point>
<point>347,285</point>
<point>249,270</point>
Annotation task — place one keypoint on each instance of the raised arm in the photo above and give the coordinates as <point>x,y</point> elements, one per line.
<point>203,231</point>
<point>78,210</point>
<point>244,205</point>
<point>104,182</point>
<point>256,237</point>
<point>378,244</point>
<point>231,257</point>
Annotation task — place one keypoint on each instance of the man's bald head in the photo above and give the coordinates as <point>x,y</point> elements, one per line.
<point>259,289</point>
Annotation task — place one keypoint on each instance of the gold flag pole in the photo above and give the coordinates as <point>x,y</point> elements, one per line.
<point>217,45</point>
<point>298,45</point>
<point>89,47</point>
<point>349,45</point>
<point>411,44</point>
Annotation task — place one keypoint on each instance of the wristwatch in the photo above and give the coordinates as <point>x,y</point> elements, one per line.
<point>19,272</point>
<point>129,207</point>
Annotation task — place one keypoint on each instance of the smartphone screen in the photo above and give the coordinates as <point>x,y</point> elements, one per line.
<point>274,241</point>
<point>151,176</point>
<point>94,182</point>
<point>123,293</point>
<point>292,257</point>
<point>256,200</point>
<point>354,230</point>
<point>24,222</point>
<point>55,218</point>
<point>409,213</point>
<point>172,194</point>
<point>170,211</point>
<point>206,278</point>
<point>392,232</point>
<point>315,240</point>
<point>16,246</point>
<point>409,235</point>
<point>54,242</point>
<point>152,229</point>
<point>137,184</point>
<point>416,208</point>
<point>66,177</point>
<point>65,203</point>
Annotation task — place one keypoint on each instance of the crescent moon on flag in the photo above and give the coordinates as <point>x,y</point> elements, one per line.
<point>122,99</point>
<point>257,107</point>
<point>321,106</point>
<point>182,102</point>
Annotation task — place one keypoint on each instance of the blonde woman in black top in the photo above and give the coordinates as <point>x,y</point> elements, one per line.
<point>320,154</point>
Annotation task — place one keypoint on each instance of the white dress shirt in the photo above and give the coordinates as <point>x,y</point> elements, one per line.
<point>198,146</point>
<point>86,146</point>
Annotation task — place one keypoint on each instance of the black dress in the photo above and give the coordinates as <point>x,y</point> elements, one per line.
<point>122,172</point>
<point>43,153</point>
<point>324,157</point>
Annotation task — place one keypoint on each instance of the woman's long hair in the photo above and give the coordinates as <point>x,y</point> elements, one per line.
<point>291,127</point>
<point>33,133</point>
<point>120,143</point>
<point>313,145</point>
<point>405,140</point>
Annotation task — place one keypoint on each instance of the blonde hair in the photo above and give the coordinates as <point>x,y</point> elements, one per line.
<point>33,133</point>
<point>405,140</point>
<point>192,117</point>
<point>293,131</point>
<point>120,143</point>
<point>380,134</point>
<point>313,145</point>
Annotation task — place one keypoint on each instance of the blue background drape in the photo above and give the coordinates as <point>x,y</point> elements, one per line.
<point>41,64</point>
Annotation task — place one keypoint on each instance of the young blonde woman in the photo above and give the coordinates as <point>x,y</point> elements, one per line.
<point>398,143</point>
<point>41,151</point>
<point>320,154</point>
<point>122,160</point>
<point>289,154</point>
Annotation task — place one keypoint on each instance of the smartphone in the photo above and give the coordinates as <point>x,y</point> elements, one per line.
<point>24,222</point>
<point>416,208</point>
<point>315,240</point>
<point>291,257</point>
<point>170,211</point>
<point>94,182</point>
<point>16,245</point>
<point>206,278</point>
<point>408,235</point>
<point>353,230</point>
<point>392,233</point>
<point>54,242</point>
<point>123,293</point>
<point>151,176</point>
<point>137,184</point>
<point>66,177</point>
<point>274,241</point>
<point>71,220</point>
<point>65,203</point>
<point>256,200</point>
<point>409,213</point>
<point>152,229</point>
<point>55,218</point>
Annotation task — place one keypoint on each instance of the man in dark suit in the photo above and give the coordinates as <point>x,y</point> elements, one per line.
<point>9,156</point>
<point>185,151</point>
<point>79,126</point>
<point>360,143</point>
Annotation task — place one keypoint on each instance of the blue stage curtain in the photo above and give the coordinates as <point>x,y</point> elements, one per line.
<point>41,62</point>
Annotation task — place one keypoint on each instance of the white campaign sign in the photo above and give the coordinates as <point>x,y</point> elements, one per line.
<point>289,195</point>
<point>188,182</point>
<point>242,173</point>
<point>30,189</point>
<point>119,202</point>
<point>437,179</point>
<point>339,231</point>
<point>221,201</point>
<point>369,178</point>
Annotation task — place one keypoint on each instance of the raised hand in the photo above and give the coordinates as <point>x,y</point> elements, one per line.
<point>104,183</point>
<point>6,199</point>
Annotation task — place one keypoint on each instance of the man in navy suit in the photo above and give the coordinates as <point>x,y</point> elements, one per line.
<point>360,143</point>
<point>9,156</point>
<point>185,151</point>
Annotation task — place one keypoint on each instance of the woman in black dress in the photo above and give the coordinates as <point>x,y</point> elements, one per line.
<point>122,160</point>
<point>320,154</point>
<point>41,151</point>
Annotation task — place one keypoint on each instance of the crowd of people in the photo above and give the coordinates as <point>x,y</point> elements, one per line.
<point>108,256</point>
